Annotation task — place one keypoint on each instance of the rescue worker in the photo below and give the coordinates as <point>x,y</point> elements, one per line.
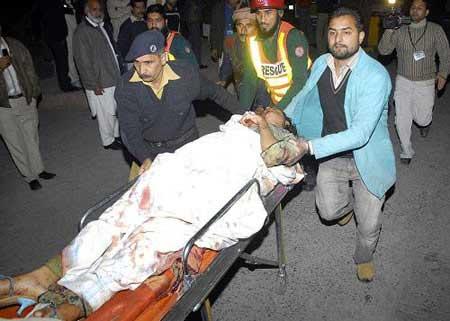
<point>278,55</point>
<point>154,100</point>
<point>177,46</point>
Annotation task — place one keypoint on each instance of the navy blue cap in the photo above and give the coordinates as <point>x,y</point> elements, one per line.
<point>146,43</point>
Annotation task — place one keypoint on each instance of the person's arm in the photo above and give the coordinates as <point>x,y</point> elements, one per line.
<point>210,90</point>
<point>298,59</point>
<point>249,84</point>
<point>285,151</point>
<point>371,102</point>
<point>123,41</point>
<point>388,41</point>
<point>27,62</point>
<point>183,51</point>
<point>129,122</point>
<point>443,52</point>
<point>88,71</point>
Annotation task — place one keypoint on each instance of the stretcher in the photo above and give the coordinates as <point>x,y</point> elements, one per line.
<point>178,291</point>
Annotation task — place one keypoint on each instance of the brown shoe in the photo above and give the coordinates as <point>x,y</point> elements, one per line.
<point>345,219</point>
<point>365,271</point>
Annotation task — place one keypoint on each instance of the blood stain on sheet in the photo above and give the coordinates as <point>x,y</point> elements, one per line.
<point>144,204</point>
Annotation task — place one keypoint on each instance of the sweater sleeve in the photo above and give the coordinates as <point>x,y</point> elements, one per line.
<point>298,59</point>
<point>443,51</point>
<point>249,84</point>
<point>388,42</point>
<point>219,95</point>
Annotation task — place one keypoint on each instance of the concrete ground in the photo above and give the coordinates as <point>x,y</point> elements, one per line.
<point>412,259</point>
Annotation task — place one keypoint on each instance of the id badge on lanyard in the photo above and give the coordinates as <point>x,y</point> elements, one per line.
<point>418,54</point>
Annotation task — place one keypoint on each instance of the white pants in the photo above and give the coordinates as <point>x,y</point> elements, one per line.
<point>19,129</point>
<point>104,107</point>
<point>71,26</point>
<point>414,101</point>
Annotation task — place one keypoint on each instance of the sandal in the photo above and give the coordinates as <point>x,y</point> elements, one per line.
<point>13,299</point>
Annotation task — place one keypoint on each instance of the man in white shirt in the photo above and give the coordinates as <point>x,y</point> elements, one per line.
<point>19,89</point>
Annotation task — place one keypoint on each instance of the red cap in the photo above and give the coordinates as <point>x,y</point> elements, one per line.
<point>261,4</point>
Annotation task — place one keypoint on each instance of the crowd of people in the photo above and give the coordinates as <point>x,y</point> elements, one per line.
<point>140,70</point>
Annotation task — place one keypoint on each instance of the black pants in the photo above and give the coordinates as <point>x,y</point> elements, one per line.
<point>59,50</point>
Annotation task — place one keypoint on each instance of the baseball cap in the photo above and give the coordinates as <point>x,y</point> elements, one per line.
<point>147,43</point>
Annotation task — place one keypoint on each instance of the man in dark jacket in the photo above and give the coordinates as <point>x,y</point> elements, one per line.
<point>99,68</point>
<point>222,26</point>
<point>154,101</point>
<point>54,27</point>
<point>192,15</point>
<point>19,90</point>
<point>133,26</point>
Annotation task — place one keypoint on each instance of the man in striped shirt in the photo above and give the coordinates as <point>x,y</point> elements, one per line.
<point>417,75</point>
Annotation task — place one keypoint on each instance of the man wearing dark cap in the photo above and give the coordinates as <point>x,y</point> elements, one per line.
<point>154,101</point>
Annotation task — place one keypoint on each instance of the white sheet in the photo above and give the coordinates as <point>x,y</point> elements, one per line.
<point>166,206</point>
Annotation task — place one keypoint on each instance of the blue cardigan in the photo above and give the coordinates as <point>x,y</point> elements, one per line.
<point>366,113</point>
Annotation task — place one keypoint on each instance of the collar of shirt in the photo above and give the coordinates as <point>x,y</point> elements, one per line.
<point>135,19</point>
<point>337,78</point>
<point>419,24</point>
<point>168,74</point>
<point>94,24</point>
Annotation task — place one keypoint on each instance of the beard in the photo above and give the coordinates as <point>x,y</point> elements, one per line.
<point>96,20</point>
<point>164,30</point>
<point>343,52</point>
<point>269,33</point>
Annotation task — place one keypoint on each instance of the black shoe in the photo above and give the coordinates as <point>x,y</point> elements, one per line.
<point>35,185</point>
<point>115,145</point>
<point>46,175</point>
<point>119,140</point>
<point>203,66</point>
<point>424,131</point>
<point>405,161</point>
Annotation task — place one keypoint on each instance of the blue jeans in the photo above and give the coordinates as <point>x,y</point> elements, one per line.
<point>340,190</point>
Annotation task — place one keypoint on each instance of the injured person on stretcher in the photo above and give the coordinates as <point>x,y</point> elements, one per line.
<point>142,233</point>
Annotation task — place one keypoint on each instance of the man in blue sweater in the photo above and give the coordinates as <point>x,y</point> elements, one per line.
<point>342,112</point>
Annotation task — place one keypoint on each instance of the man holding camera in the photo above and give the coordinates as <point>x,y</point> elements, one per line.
<point>416,45</point>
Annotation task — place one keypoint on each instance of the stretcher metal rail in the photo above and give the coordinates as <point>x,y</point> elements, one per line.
<point>198,287</point>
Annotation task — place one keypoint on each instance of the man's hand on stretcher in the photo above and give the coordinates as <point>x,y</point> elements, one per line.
<point>145,166</point>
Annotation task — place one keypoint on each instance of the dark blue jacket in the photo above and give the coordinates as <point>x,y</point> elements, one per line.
<point>145,120</point>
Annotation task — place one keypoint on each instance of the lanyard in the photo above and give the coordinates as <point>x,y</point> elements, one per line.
<point>421,36</point>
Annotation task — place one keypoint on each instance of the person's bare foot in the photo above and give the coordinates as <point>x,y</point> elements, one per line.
<point>31,284</point>
<point>65,311</point>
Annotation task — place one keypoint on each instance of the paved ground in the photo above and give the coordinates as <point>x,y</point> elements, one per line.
<point>412,260</point>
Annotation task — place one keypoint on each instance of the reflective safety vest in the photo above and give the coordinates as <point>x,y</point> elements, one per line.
<point>169,41</point>
<point>277,75</point>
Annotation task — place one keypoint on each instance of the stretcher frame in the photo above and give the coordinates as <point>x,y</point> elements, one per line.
<point>196,289</point>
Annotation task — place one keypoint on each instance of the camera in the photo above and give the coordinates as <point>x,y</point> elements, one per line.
<point>395,20</point>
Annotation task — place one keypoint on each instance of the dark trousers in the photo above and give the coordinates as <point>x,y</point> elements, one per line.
<point>60,53</point>
<point>195,38</point>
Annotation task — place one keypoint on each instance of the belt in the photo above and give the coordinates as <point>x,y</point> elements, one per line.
<point>188,136</point>
<point>15,96</point>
